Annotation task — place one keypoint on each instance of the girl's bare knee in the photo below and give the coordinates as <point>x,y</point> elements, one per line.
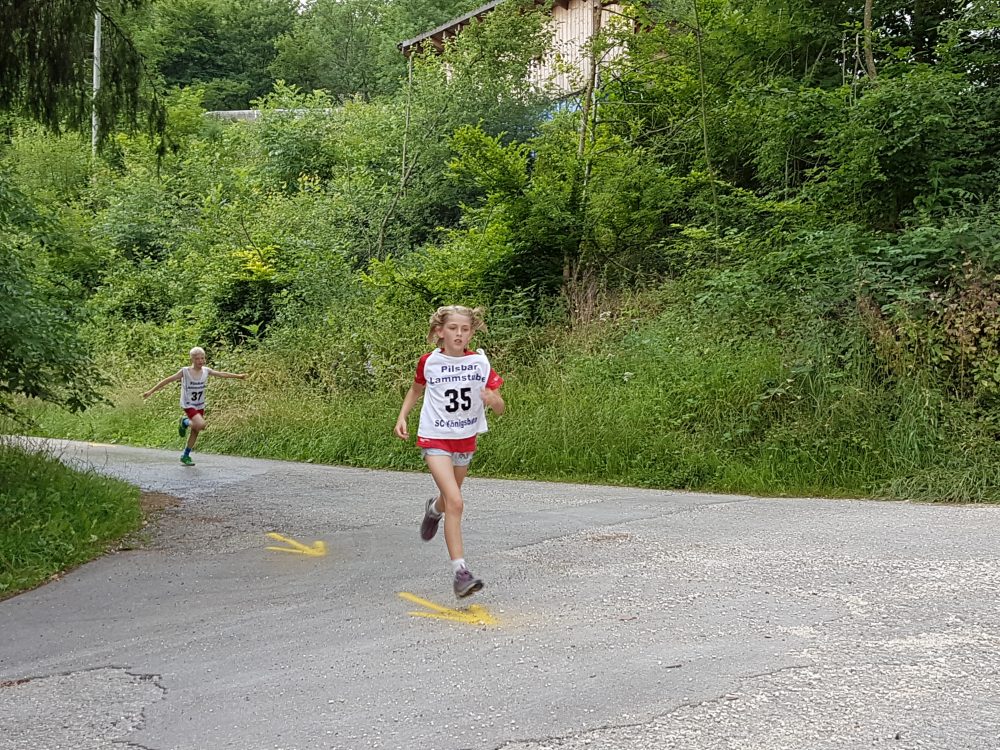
<point>453,504</point>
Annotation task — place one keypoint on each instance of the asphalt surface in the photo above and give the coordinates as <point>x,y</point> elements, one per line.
<point>621,619</point>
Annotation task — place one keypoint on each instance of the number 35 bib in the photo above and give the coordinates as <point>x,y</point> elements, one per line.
<point>453,407</point>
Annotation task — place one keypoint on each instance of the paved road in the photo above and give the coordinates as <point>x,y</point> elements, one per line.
<point>624,619</point>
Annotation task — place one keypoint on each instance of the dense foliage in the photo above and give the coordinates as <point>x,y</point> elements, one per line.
<point>236,50</point>
<point>43,357</point>
<point>46,63</point>
<point>744,260</point>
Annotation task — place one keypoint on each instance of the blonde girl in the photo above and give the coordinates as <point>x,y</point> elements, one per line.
<point>457,386</point>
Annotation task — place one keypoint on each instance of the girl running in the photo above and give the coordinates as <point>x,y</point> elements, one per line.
<point>457,385</point>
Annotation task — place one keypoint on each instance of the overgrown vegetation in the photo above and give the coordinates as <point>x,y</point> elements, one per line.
<point>741,260</point>
<point>52,517</point>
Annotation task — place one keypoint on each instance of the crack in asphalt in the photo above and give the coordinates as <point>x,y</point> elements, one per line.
<point>692,703</point>
<point>624,522</point>
<point>137,679</point>
<point>779,670</point>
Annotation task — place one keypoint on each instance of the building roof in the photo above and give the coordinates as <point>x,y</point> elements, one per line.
<point>450,28</point>
<point>455,25</point>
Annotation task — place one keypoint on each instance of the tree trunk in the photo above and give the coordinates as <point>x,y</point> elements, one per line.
<point>703,99</point>
<point>571,264</point>
<point>588,92</point>
<point>869,56</point>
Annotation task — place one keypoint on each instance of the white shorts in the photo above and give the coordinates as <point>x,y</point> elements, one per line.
<point>457,459</point>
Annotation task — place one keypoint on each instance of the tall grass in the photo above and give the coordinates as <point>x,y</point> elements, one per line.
<point>53,517</point>
<point>673,400</point>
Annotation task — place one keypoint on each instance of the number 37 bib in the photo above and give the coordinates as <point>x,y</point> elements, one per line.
<point>193,389</point>
<point>453,407</point>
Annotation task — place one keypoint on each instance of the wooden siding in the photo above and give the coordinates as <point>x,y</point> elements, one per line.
<point>566,68</point>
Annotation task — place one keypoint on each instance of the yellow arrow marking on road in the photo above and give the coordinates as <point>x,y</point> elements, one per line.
<point>318,549</point>
<point>471,615</point>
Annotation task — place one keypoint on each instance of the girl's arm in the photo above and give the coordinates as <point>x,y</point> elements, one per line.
<point>409,401</point>
<point>221,374</point>
<point>172,379</point>
<point>493,399</point>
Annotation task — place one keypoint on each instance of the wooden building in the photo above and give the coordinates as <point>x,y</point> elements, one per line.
<point>566,68</point>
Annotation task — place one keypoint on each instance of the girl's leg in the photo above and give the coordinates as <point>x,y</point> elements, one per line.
<point>449,480</point>
<point>461,472</point>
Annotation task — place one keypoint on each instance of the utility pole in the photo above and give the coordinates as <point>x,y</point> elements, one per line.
<point>94,120</point>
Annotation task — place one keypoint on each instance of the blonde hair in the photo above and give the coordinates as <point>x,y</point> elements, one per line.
<point>196,350</point>
<point>440,317</point>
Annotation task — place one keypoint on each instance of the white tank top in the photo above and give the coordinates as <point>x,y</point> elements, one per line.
<point>192,390</point>
<point>453,407</point>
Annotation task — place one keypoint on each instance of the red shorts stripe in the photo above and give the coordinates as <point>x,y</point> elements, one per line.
<point>461,445</point>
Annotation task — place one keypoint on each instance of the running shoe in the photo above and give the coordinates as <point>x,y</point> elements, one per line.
<point>186,460</point>
<point>466,583</point>
<point>429,526</point>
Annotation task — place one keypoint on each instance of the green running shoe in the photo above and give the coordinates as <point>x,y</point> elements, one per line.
<point>186,460</point>
<point>182,429</point>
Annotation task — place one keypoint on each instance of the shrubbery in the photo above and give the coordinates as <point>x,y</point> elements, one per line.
<point>752,269</point>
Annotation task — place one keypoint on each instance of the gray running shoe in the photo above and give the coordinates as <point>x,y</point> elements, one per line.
<point>429,526</point>
<point>466,583</point>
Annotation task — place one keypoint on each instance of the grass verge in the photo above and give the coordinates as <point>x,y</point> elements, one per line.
<point>53,517</point>
<point>665,403</point>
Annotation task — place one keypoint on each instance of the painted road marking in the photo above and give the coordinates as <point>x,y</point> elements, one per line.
<point>471,615</point>
<point>318,549</point>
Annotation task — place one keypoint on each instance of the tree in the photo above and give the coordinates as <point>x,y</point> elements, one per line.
<point>349,47</point>
<point>334,47</point>
<point>46,51</point>
<point>43,356</point>
<point>184,40</point>
<point>481,76</point>
<point>225,46</point>
<point>251,29</point>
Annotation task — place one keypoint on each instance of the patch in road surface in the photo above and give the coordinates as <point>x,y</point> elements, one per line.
<point>157,502</point>
<point>91,710</point>
<point>926,704</point>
